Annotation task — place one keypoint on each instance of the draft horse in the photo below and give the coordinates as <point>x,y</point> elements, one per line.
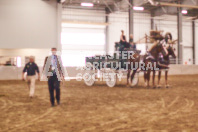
<point>149,58</point>
<point>165,60</point>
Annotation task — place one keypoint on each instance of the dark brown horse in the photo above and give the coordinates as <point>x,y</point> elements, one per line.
<point>153,58</point>
<point>131,67</point>
<point>149,62</point>
<point>165,61</point>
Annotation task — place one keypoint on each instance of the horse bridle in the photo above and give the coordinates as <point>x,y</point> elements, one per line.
<point>163,47</point>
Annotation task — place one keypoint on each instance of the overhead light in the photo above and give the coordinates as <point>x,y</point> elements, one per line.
<point>138,8</point>
<point>87,4</point>
<point>60,1</point>
<point>184,12</point>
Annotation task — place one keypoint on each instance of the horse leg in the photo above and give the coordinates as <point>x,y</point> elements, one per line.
<point>154,79</point>
<point>159,77</point>
<point>145,78</point>
<point>128,74</point>
<point>133,74</point>
<point>148,77</point>
<point>166,79</point>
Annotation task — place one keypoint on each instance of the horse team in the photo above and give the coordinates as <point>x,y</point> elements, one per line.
<point>158,55</point>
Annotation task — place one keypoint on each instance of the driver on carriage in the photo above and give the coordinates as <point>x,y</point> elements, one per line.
<point>132,44</point>
<point>124,44</point>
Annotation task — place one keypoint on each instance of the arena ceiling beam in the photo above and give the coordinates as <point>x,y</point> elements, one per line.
<point>163,11</point>
<point>152,21</point>
<point>97,3</point>
<point>179,35</point>
<point>193,42</point>
<point>177,5</point>
<point>107,30</point>
<point>161,7</point>
<point>131,28</point>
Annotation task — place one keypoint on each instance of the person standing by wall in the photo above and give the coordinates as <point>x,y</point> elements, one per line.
<point>54,71</point>
<point>31,68</point>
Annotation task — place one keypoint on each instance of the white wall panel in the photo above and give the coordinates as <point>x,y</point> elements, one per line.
<point>15,73</point>
<point>187,56</point>
<point>196,42</point>
<point>83,15</point>
<point>187,33</point>
<point>83,39</point>
<point>142,25</point>
<point>39,54</point>
<point>28,23</point>
<point>187,42</point>
<point>167,26</point>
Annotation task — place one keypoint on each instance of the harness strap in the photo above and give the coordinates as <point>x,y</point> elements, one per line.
<point>162,65</point>
<point>150,57</point>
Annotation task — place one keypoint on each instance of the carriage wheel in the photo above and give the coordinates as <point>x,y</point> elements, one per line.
<point>88,75</point>
<point>111,78</point>
<point>135,80</point>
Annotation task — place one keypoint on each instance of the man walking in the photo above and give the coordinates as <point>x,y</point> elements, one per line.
<point>31,68</point>
<point>54,71</point>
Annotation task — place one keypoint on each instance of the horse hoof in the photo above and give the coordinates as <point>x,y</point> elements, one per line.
<point>159,86</point>
<point>129,86</point>
<point>167,86</point>
<point>154,87</point>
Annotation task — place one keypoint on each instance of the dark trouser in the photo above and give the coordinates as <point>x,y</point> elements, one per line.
<point>54,84</point>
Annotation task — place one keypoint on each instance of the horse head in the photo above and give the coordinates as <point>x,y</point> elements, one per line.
<point>162,49</point>
<point>171,51</point>
<point>170,42</point>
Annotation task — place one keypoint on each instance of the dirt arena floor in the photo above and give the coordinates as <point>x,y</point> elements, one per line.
<point>100,108</point>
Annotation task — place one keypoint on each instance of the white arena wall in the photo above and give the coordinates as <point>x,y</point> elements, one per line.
<point>196,41</point>
<point>39,54</point>
<point>31,27</point>
<point>28,24</point>
<point>15,73</point>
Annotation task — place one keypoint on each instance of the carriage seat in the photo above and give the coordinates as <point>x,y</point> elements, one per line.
<point>117,46</point>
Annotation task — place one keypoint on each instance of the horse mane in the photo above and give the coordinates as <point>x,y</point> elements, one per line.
<point>153,46</point>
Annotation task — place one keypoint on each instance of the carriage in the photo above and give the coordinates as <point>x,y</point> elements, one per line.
<point>113,67</point>
<point>107,68</point>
